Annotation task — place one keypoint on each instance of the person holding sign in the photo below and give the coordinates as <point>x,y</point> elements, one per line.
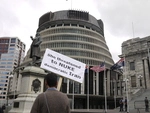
<point>51,101</point>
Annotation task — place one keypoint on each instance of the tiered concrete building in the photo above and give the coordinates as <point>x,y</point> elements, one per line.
<point>137,63</point>
<point>12,52</point>
<point>79,35</point>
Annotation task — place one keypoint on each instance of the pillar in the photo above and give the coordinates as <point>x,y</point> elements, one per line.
<point>97,83</point>
<point>146,76</point>
<point>108,82</point>
<point>67,86</point>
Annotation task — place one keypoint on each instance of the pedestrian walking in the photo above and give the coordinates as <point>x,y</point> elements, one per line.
<point>146,105</point>
<point>51,101</point>
<point>121,104</point>
<point>125,104</point>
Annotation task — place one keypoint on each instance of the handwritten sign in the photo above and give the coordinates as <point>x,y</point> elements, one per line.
<point>63,65</point>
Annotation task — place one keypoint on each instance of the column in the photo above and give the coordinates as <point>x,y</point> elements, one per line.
<point>97,83</point>
<point>14,84</point>
<point>146,76</point>
<point>94,83</point>
<point>19,82</point>
<point>111,88</point>
<point>67,86</point>
<point>108,82</point>
<point>82,87</point>
<point>120,85</point>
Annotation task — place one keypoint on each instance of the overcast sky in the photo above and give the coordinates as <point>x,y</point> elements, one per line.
<point>123,19</point>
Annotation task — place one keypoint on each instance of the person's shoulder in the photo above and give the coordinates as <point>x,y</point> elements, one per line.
<point>62,94</point>
<point>41,95</point>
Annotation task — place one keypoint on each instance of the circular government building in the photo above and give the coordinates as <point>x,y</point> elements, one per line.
<point>76,34</point>
<point>79,35</point>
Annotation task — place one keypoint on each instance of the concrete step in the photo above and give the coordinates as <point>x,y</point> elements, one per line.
<point>139,98</point>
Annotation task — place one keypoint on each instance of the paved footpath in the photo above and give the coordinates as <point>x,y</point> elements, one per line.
<point>103,111</point>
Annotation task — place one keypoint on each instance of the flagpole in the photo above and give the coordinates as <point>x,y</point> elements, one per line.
<point>70,4</point>
<point>88,88</point>
<point>115,89</point>
<point>105,88</point>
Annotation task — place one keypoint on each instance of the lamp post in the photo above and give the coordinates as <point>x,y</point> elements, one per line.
<point>148,45</point>
<point>140,80</point>
<point>126,90</point>
<point>115,90</point>
<point>9,79</point>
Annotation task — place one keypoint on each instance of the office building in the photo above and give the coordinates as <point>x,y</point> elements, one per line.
<point>12,52</point>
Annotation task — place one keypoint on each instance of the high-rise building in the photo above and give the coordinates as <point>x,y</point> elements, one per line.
<point>79,35</point>
<point>12,52</point>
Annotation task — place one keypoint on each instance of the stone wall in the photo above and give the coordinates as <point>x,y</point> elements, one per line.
<point>136,50</point>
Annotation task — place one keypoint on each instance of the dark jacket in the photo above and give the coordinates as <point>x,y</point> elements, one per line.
<point>57,102</point>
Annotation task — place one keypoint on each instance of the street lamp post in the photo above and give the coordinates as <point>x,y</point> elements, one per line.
<point>148,45</point>
<point>127,95</point>
<point>9,78</point>
<point>140,80</point>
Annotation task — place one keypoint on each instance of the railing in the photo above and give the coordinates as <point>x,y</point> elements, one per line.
<point>139,104</point>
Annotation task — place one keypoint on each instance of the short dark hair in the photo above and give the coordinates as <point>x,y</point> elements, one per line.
<point>51,79</point>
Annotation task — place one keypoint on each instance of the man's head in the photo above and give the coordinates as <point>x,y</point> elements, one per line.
<point>51,80</point>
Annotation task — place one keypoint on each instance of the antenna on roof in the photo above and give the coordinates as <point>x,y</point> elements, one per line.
<point>132,30</point>
<point>71,4</point>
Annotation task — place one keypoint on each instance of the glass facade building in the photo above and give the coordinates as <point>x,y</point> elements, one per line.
<point>12,52</point>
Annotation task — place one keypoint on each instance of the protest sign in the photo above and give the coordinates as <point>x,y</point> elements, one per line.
<point>63,65</point>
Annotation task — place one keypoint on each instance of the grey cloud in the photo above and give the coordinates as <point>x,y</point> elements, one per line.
<point>8,19</point>
<point>118,16</point>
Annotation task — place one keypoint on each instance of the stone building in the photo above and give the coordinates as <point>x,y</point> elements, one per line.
<point>137,63</point>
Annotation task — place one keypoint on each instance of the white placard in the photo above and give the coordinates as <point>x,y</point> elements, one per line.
<point>63,65</point>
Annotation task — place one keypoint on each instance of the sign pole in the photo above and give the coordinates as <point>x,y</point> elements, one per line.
<point>73,97</point>
<point>59,83</point>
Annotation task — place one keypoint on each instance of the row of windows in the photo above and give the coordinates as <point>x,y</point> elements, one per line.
<point>7,59</point>
<point>72,30</point>
<point>4,72</point>
<point>8,55</point>
<point>11,48</point>
<point>75,45</point>
<point>71,37</point>
<point>85,54</point>
<point>6,62</point>
<point>2,84</point>
<point>6,66</point>
<point>2,97</point>
<point>4,40</point>
<point>4,48</point>
<point>3,76</point>
<point>3,80</point>
<point>74,25</point>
